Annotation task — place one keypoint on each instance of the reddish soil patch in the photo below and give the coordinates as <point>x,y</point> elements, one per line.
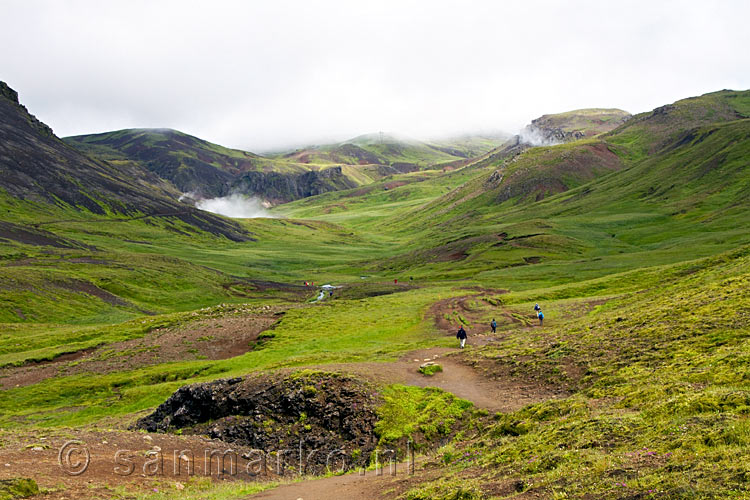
<point>68,356</point>
<point>89,260</point>
<point>135,461</point>
<point>214,338</point>
<point>394,184</point>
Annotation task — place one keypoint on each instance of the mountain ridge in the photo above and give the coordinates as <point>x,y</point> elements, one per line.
<point>35,165</point>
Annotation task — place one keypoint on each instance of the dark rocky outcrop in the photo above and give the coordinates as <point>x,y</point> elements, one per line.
<point>206,170</point>
<point>279,187</point>
<point>325,414</point>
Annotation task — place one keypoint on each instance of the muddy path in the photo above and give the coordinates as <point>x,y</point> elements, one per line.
<point>457,377</point>
<point>360,486</point>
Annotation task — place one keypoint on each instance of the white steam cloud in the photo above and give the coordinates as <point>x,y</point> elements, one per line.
<point>188,196</point>
<point>236,206</point>
<point>535,137</point>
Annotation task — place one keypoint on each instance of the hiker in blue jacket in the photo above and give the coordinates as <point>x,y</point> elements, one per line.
<point>540,315</point>
<point>537,308</point>
<point>461,335</point>
<point>493,325</point>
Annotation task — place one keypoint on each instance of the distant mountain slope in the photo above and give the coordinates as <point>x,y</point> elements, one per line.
<point>572,125</point>
<point>398,153</point>
<point>189,163</point>
<point>685,161</point>
<point>656,130</point>
<point>553,129</point>
<point>207,170</point>
<point>470,146</point>
<point>37,166</point>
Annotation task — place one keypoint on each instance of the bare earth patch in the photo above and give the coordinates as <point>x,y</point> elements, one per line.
<point>131,462</point>
<point>213,338</point>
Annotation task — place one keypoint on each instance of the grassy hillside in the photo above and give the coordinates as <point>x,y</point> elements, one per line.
<point>658,404</point>
<point>634,242</point>
<point>192,165</point>
<point>400,154</point>
<point>692,188</point>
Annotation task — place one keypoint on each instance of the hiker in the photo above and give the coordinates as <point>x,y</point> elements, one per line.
<point>461,335</point>
<point>330,294</point>
<point>540,315</point>
<point>537,308</point>
<point>395,282</point>
<point>493,325</point>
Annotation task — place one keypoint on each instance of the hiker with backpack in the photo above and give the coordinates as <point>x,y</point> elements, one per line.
<point>493,325</point>
<point>540,315</point>
<point>461,335</point>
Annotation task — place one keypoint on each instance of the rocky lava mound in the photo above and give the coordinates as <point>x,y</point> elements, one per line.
<point>330,417</point>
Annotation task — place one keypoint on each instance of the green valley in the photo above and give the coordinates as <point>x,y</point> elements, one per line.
<point>633,238</point>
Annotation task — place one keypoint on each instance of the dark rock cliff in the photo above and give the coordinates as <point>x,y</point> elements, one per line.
<point>279,187</point>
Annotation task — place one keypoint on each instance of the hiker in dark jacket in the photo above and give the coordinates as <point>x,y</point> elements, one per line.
<point>493,325</point>
<point>537,308</point>
<point>461,335</point>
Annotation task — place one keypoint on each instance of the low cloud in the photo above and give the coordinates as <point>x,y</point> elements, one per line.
<point>332,73</point>
<point>236,206</point>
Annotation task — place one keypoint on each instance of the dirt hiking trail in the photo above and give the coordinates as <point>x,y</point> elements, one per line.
<point>354,486</point>
<point>492,394</point>
<point>495,394</point>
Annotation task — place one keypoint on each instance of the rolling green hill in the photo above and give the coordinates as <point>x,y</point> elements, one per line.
<point>661,180</point>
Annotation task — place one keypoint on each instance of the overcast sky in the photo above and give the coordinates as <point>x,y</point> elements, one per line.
<point>270,74</point>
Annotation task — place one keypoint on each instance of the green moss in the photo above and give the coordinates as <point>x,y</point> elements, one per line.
<point>11,489</point>
<point>446,490</point>
<point>413,412</point>
<point>430,370</point>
